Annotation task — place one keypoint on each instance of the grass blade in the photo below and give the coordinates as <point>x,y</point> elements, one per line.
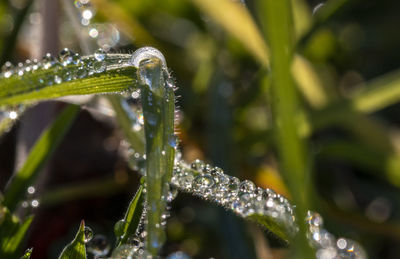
<point>12,233</point>
<point>76,249</point>
<point>158,110</point>
<point>116,74</point>
<point>132,217</point>
<point>39,154</point>
<point>238,22</point>
<point>276,18</point>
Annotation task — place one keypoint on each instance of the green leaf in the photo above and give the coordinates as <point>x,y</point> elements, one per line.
<point>40,84</point>
<point>76,249</point>
<point>132,217</point>
<point>38,156</point>
<point>12,233</point>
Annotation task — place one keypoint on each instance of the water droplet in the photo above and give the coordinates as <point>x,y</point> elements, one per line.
<point>81,72</point>
<point>100,55</point>
<point>20,69</point>
<point>88,234</point>
<point>99,66</point>
<point>173,141</point>
<point>246,187</point>
<point>198,165</point>
<point>66,57</point>
<point>76,59</point>
<point>57,79</point>
<point>7,69</point>
<point>203,183</point>
<point>31,190</point>
<point>98,246</point>
<point>119,228</point>
<point>35,203</point>
<point>48,61</point>
<point>314,219</point>
<point>146,53</point>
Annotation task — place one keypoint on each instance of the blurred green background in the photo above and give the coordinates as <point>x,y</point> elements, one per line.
<point>224,118</point>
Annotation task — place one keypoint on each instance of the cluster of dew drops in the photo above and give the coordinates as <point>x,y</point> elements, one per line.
<point>246,199</point>
<point>68,65</point>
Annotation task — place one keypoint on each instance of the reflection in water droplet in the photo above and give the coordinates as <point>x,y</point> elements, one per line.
<point>99,66</point>
<point>100,55</point>
<point>88,234</point>
<point>66,57</point>
<point>48,61</point>
<point>98,246</point>
<point>147,53</point>
<point>7,69</point>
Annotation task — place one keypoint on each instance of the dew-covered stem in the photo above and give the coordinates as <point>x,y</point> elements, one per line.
<point>158,111</point>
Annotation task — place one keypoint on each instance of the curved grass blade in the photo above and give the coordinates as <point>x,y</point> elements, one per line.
<point>51,79</point>
<point>76,249</point>
<point>39,154</point>
<point>132,217</point>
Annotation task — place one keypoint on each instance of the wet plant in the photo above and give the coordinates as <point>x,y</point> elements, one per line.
<point>152,143</point>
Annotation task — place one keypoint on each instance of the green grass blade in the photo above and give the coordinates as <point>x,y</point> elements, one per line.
<point>238,22</point>
<point>76,249</point>
<point>12,233</point>
<point>132,217</point>
<point>10,247</point>
<point>276,18</point>
<point>58,81</point>
<point>158,110</point>
<point>40,153</point>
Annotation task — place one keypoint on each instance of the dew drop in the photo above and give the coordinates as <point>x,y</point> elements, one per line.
<point>88,234</point>
<point>203,183</point>
<point>66,57</point>
<point>99,66</point>
<point>31,190</point>
<point>7,69</point>
<point>197,165</point>
<point>98,246</point>
<point>146,53</point>
<point>57,79</point>
<point>48,61</point>
<point>35,203</point>
<point>76,59</point>
<point>100,55</point>
<point>172,141</point>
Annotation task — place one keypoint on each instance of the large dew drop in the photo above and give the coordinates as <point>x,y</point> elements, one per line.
<point>147,53</point>
<point>88,234</point>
